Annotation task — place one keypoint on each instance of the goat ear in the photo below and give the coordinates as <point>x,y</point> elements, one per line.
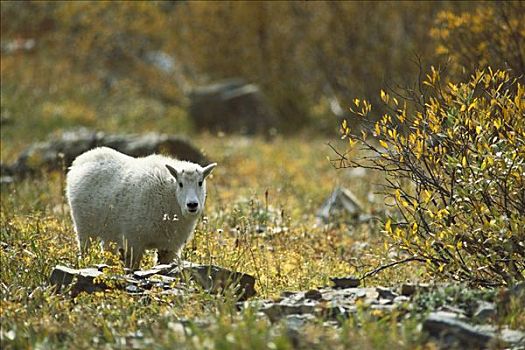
<point>207,169</point>
<point>173,171</point>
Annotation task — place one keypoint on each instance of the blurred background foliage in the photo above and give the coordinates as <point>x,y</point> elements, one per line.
<point>116,65</point>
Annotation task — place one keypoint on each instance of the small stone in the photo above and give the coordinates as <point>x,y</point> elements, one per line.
<point>346,282</point>
<point>287,294</point>
<point>296,322</point>
<point>485,311</point>
<point>133,289</point>
<point>452,310</point>
<point>313,294</point>
<point>385,293</point>
<point>361,293</point>
<point>276,311</point>
<point>335,312</point>
<point>401,299</point>
<point>408,289</point>
<point>101,267</point>
<point>160,269</point>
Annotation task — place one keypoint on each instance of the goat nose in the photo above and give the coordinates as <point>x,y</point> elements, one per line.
<point>192,205</point>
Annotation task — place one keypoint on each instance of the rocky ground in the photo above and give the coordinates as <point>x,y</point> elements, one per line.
<point>451,315</point>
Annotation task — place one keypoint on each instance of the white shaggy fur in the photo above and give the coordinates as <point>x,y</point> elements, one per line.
<point>138,203</point>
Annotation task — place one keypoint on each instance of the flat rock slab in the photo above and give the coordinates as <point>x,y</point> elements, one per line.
<point>213,279</point>
<point>82,280</point>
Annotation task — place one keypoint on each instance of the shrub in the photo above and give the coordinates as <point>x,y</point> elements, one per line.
<point>493,33</point>
<point>453,157</point>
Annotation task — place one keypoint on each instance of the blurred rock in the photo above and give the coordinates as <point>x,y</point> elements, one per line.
<point>346,282</point>
<point>275,311</point>
<point>341,199</point>
<point>385,293</point>
<point>485,311</point>
<point>327,304</point>
<point>313,294</point>
<point>454,333</point>
<point>231,106</point>
<point>407,289</point>
<point>59,152</point>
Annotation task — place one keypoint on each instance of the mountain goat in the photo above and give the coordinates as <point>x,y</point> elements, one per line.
<point>138,203</point>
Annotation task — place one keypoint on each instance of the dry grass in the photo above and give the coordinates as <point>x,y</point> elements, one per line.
<point>260,219</point>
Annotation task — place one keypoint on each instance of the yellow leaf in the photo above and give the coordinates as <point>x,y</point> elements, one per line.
<point>478,129</point>
<point>377,129</point>
<point>472,105</point>
<point>426,196</point>
<point>384,96</point>
<point>383,143</point>
<point>388,226</point>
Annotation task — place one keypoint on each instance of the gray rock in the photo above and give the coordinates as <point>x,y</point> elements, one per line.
<point>341,199</point>
<point>452,310</point>
<point>82,280</point>
<point>451,331</point>
<point>276,311</point>
<point>385,293</point>
<point>6,179</point>
<point>335,312</point>
<point>296,322</point>
<point>133,289</point>
<point>159,269</point>
<point>57,153</point>
<point>386,308</point>
<point>216,279</point>
<point>401,299</point>
<point>408,289</point>
<point>346,282</point>
<point>231,106</point>
<point>313,294</point>
<point>485,311</point>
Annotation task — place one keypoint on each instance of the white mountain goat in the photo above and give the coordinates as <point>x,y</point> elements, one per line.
<point>138,203</point>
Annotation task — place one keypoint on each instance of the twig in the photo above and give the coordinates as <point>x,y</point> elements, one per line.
<point>382,267</point>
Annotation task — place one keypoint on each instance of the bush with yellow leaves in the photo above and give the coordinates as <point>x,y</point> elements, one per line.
<point>454,159</point>
<point>490,34</point>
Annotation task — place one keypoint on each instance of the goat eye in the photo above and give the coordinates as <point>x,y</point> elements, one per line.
<point>180,184</point>
<point>200,183</point>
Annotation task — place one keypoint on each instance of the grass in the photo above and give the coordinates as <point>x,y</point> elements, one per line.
<point>260,219</point>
